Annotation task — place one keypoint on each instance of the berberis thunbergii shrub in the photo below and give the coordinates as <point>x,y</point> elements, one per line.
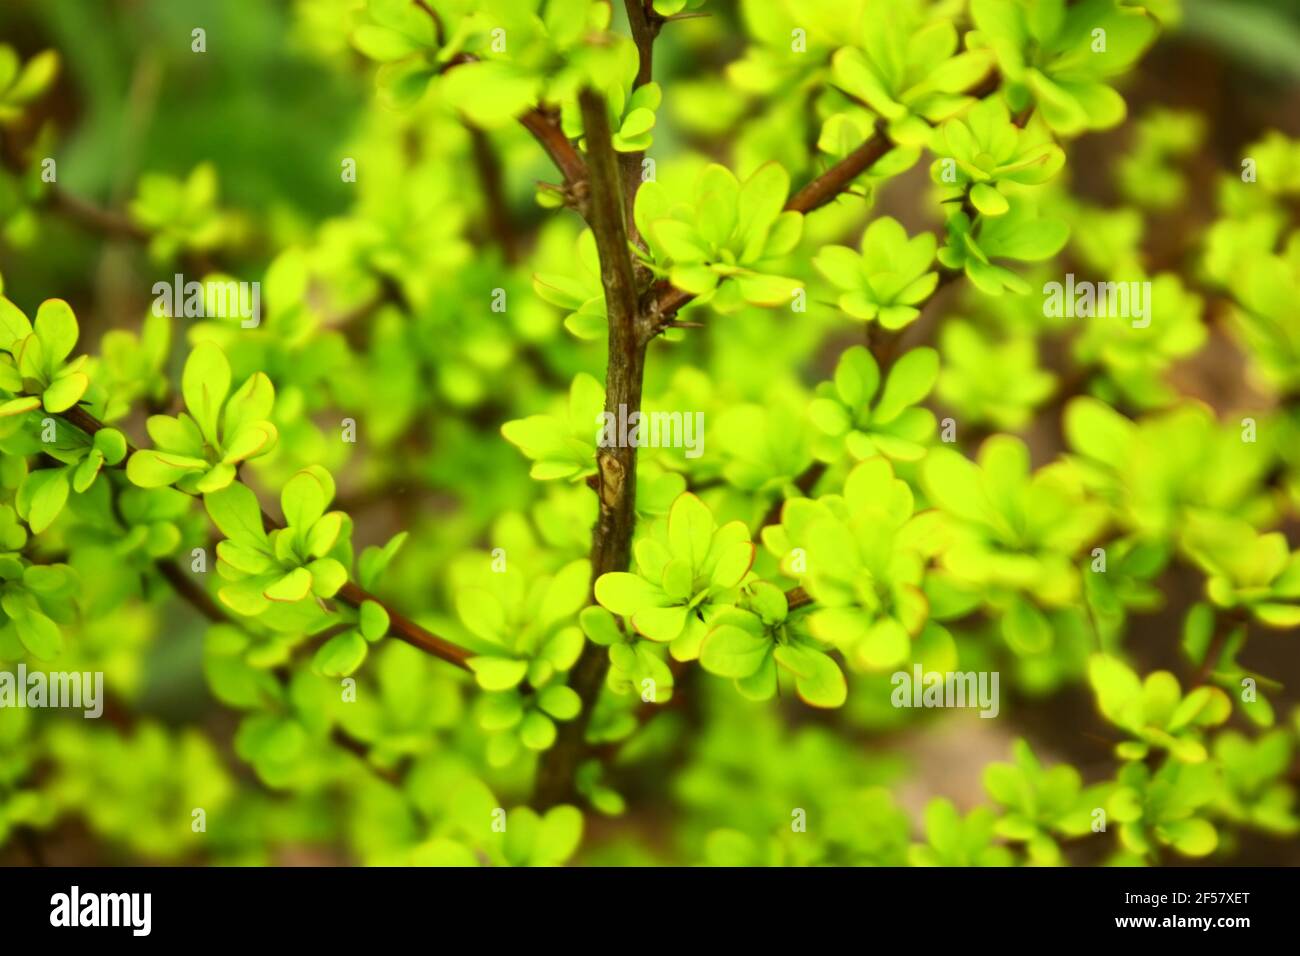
<point>694,440</point>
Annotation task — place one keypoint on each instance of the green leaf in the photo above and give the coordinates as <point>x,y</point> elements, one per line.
<point>731,651</point>
<point>1026,628</point>
<point>56,327</point>
<point>690,530</point>
<point>110,443</point>
<point>374,620</point>
<point>14,325</point>
<point>498,673</point>
<point>382,44</point>
<point>600,626</point>
<point>1115,684</point>
<point>327,576</point>
<point>37,75</point>
<point>537,731</point>
<point>205,383</point>
<point>818,679</point>
<point>910,380</point>
<point>304,498</point>
<point>237,514</point>
<point>1190,837</point>
<point>557,837</point>
<point>19,406</point>
<point>988,200</point>
<point>490,93</point>
<point>341,654</point>
<point>562,703</point>
<point>65,392</point>
<point>39,635</point>
<point>44,493</point>
<point>290,588</point>
<point>252,402</point>
<point>625,593</point>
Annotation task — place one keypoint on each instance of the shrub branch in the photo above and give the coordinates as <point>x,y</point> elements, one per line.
<point>615,480</point>
<point>351,594</point>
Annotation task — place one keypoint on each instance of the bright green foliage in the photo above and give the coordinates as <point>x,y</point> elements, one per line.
<point>633,660</point>
<point>632,116</point>
<point>408,700</point>
<point>1155,471</point>
<point>748,643</point>
<point>1013,534</point>
<point>888,278</point>
<point>1163,809</point>
<point>1253,792</point>
<point>724,244</point>
<point>37,374</point>
<point>35,598</point>
<point>528,639</point>
<point>471,826</point>
<point>1263,322</point>
<point>442,310</point>
<point>199,452</point>
<point>130,365</point>
<point>998,383</point>
<point>309,556</point>
<point>671,8</point>
<point>562,447</point>
<point>954,841</point>
<point>390,31</point>
<point>908,70</point>
<point>687,574</point>
<point>1137,366</point>
<point>984,149</point>
<point>181,215</point>
<point>771,61</point>
<point>1017,233</point>
<point>765,448</point>
<point>1058,56</point>
<point>1244,569</point>
<point>170,775</point>
<point>581,296</point>
<point>20,83</point>
<point>1041,804</point>
<point>1155,711</point>
<point>505,48</point>
<point>865,558</point>
<point>1148,175</point>
<point>44,492</point>
<point>869,419</point>
<point>1120,581</point>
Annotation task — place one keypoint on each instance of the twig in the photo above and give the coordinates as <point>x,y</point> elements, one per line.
<point>351,594</point>
<point>645,24</point>
<point>806,481</point>
<point>189,589</point>
<point>95,218</point>
<point>494,196</point>
<point>668,299</point>
<point>616,466</point>
<point>546,130</point>
<point>796,598</point>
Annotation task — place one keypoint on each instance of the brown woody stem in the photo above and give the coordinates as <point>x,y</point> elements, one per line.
<point>401,627</point>
<point>616,466</point>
